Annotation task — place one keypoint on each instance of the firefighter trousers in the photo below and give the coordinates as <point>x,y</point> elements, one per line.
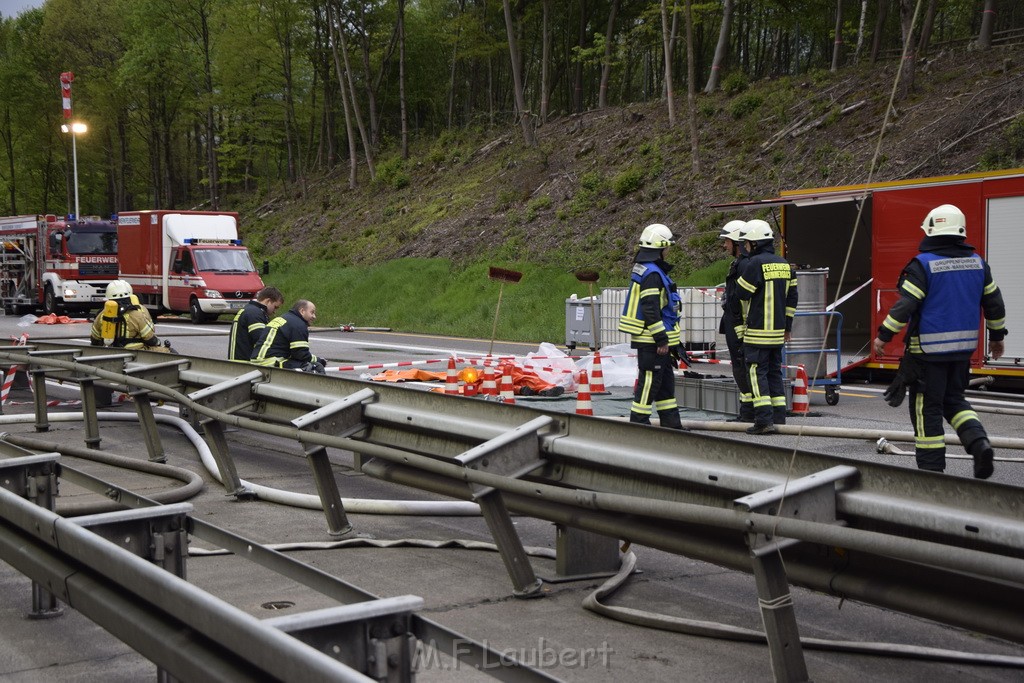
<point>739,372</point>
<point>655,386</point>
<point>939,396</point>
<point>768,391</point>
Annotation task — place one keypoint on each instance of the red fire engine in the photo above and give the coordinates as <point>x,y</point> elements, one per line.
<point>879,224</point>
<point>56,263</point>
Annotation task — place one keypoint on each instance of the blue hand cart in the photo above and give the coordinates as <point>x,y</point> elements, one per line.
<point>819,374</point>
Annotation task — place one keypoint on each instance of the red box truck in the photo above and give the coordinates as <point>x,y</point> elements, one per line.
<point>186,261</point>
<point>879,224</point>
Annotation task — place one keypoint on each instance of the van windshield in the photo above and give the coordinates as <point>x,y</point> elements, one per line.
<point>223,260</point>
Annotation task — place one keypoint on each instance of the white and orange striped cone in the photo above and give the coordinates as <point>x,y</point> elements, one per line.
<point>801,401</point>
<point>507,393</point>
<point>451,383</point>
<point>8,383</point>
<point>490,387</point>
<point>597,376</point>
<point>583,404</point>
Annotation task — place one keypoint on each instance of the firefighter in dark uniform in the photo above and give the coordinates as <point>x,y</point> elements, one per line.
<point>732,316</point>
<point>284,342</point>
<point>250,321</point>
<point>651,317</point>
<point>125,323</point>
<point>767,286</point>
<point>943,292</point>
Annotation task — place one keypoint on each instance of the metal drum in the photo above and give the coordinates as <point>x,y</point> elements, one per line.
<point>808,332</point>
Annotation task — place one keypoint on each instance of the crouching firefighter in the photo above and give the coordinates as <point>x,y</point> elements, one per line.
<point>124,323</point>
<point>651,318</point>
<point>284,342</point>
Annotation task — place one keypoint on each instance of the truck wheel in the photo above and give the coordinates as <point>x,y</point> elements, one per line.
<point>51,304</point>
<point>196,313</point>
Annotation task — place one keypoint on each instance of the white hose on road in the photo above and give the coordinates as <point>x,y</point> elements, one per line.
<point>361,506</point>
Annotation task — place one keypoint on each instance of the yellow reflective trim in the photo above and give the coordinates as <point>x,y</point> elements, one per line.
<point>913,290</point>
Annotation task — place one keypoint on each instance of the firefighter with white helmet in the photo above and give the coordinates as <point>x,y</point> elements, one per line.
<point>944,291</point>
<point>767,288</point>
<point>124,322</point>
<point>732,314</point>
<point>651,317</point>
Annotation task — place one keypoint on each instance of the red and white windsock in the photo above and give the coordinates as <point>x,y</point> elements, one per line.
<point>65,92</point>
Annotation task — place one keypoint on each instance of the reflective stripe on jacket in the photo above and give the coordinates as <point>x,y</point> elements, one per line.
<point>650,281</point>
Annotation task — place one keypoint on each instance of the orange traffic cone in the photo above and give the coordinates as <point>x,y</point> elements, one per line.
<point>597,376</point>
<point>507,392</point>
<point>583,404</point>
<point>451,384</point>
<point>801,401</point>
<point>490,387</point>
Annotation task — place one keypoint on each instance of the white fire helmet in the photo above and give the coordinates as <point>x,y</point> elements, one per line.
<point>757,230</point>
<point>945,220</point>
<point>733,230</point>
<point>119,289</point>
<point>656,236</point>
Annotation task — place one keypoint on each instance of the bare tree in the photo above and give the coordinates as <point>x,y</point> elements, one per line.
<point>876,39</point>
<point>926,28</point>
<point>401,79</point>
<point>336,28</point>
<point>908,19</point>
<point>606,67</point>
<point>545,61</point>
<point>666,42</point>
<point>721,49</point>
<point>367,146</point>
<point>837,43</point>
<point>517,78</point>
<point>691,89</point>
<point>988,23</point>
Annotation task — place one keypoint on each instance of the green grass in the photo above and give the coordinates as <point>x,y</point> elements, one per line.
<point>434,296</point>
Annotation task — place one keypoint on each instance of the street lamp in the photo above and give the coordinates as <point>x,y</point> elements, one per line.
<point>75,128</point>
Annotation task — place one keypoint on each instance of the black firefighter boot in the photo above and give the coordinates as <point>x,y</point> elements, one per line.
<point>981,451</point>
<point>779,415</point>
<point>670,419</point>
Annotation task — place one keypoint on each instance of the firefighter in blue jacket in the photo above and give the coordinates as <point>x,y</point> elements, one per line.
<point>651,317</point>
<point>284,342</point>
<point>943,292</point>
<point>732,315</point>
<point>767,287</point>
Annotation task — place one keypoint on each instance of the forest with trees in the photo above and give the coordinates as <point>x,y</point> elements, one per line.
<point>191,102</point>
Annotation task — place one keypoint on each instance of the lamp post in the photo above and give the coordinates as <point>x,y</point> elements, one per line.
<point>75,128</point>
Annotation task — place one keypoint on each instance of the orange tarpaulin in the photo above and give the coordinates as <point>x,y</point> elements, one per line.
<point>53,319</point>
<point>412,375</point>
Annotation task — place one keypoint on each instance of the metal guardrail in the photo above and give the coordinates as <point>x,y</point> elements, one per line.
<point>940,547</point>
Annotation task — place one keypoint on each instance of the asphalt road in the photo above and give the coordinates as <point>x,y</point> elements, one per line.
<point>469,590</point>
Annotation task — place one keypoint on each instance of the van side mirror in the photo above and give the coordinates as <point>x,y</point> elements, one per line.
<point>266,267</point>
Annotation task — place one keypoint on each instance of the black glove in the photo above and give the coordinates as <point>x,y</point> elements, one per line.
<point>679,353</point>
<point>910,372</point>
<point>316,367</point>
<point>896,391</point>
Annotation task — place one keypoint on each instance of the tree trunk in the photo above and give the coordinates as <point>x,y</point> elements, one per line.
<point>545,61</point>
<point>691,89</point>
<point>926,28</point>
<point>837,43</point>
<point>577,92</point>
<point>606,66</point>
<point>357,115</point>
<point>908,18</point>
<point>721,49</point>
<point>876,39</point>
<point>860,30</point>
<point>525,120</point>
<point>212,171</point>
<point>666,44</point>
<point>988,23</point>
<point>401,79</point>
<point>344,105</point>
<point>8,139</point>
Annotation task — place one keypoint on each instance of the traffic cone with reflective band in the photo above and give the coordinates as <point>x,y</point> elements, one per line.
<point>490,387</point>
<point>801,401</point>
<point>597,376</point>
<point>507,393</point>
<point>451,383</point>
<point>583,404</point>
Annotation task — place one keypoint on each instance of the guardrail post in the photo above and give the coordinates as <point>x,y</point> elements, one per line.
<point>34,477</point>
<point>579,552</point>
<point>144,409</point>
<point>374,637</point>
<point>513,453</point>
<point>343,417</point>
<point>213,434</point>
<point>92,423</point>
<point>810,498</point>
<point>39,399</point>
